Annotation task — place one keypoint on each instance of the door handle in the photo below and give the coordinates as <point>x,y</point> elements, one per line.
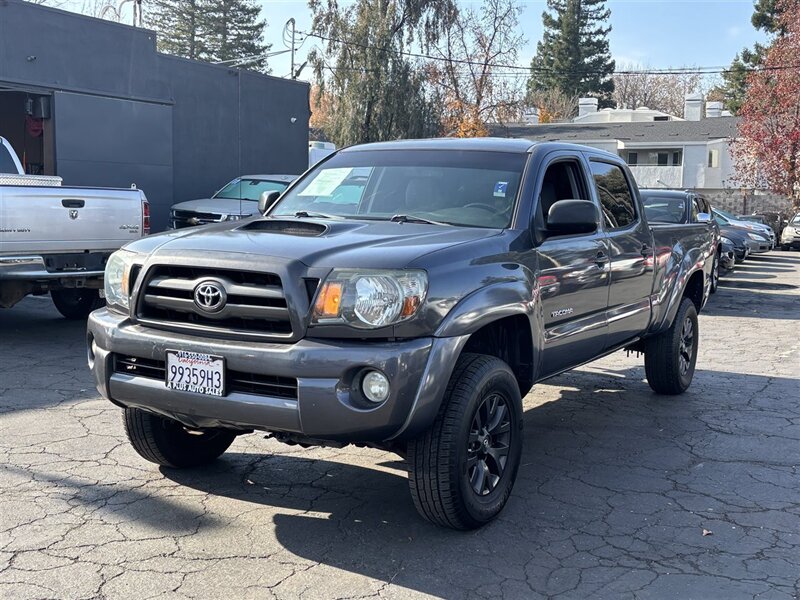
<point>73,203</point>
<point>601,258</point>
<point>646,250</point>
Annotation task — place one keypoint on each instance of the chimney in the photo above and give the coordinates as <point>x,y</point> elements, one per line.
<point>713,110</point>
<point>587,106</point>
<point>693,107</point>
<point>530,116</point>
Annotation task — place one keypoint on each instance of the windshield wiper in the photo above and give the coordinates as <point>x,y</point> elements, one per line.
<point>315,215</point>
<point>413,219</point>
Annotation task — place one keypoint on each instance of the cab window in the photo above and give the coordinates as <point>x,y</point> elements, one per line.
<point>562,181</point>
<point>619,210</point>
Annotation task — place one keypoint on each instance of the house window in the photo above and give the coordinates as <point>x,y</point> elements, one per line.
<point>713,158</point>
<point>653,158</point>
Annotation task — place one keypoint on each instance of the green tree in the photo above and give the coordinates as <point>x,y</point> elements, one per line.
<point>767,16</point>
<point>573,56</point>
<point>236,31</point>
<point>375,92</point>
<point>181,25</point>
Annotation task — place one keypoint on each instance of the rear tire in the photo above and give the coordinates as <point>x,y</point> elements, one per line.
<point>169,444</point>
<point>76,303</point>
<point>462,470</point>
<point>671,356</point>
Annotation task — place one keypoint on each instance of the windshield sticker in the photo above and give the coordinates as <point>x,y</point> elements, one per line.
<point>500,189</point>
<point>326,182</point>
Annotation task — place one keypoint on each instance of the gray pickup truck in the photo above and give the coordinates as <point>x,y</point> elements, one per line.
<point>403,296</point>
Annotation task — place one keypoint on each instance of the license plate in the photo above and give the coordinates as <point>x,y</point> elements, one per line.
<point>195,372</point>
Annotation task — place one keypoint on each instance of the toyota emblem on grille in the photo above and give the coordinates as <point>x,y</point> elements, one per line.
<point>210,296</point>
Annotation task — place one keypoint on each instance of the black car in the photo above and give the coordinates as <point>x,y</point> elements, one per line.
<point>727,256</point>
<point>736,238</point>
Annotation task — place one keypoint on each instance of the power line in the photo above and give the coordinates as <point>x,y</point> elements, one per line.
<point>518,70</point>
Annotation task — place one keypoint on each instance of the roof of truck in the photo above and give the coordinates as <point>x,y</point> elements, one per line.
<point>487,144</point>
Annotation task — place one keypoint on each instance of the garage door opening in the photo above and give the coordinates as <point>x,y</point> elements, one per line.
<point>25,121</point>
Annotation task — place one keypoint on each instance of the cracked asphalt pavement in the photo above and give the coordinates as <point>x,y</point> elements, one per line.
<point>616,487</point>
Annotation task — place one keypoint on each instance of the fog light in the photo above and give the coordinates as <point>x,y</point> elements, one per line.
<point>375,386</point>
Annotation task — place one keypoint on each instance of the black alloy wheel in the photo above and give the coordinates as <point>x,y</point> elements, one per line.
<point>686,346</point>
<point>489,444</point>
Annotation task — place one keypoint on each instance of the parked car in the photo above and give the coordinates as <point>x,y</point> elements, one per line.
<point>790,237</point>
<point>775,220</point>
<point>762,230</point>
<point>319,150</point>
<point>238,199</point>
<point>687,208</point>
<point>411,317</point>
<point>56,239</point>
<point>738,239</point>
<point>727,257</point>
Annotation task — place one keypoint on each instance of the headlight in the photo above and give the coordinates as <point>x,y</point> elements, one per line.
<point>725,240</point>
<point>117,279</point>
<point>236,217</point>
<point>756,237</point>
<point>369,299</point>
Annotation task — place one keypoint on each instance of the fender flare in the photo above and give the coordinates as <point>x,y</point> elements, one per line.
<point>504,299</point>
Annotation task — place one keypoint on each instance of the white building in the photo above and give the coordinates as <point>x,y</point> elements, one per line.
<point>662,150</point>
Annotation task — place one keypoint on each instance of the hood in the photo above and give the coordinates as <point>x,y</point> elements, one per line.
<point>735,234</point>
<point>221,206</point>
<point>316,242</point>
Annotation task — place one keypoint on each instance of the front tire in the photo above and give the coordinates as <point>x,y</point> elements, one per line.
<point>671,356</point>
<point>76,303</point>
<point>169,444</point>
<point>462,470</point>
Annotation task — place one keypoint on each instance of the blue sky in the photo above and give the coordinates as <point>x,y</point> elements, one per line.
<point>657,33</point>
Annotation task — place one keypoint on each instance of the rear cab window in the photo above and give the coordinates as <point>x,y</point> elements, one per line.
<point>614,192</point>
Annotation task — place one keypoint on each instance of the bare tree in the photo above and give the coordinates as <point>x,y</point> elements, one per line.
<point>553,105</point>
<point>664,92</point>
<point>474,89</point>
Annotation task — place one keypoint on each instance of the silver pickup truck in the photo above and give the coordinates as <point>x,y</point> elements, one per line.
<point>401,295</point>
<point>57,239</point>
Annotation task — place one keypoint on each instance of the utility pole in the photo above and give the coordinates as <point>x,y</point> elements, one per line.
<point>293,34</point>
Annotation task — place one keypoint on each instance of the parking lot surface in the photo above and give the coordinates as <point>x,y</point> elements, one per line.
<point>621,493</point>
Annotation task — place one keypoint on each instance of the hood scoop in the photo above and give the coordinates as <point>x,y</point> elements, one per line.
<point>300,228</point>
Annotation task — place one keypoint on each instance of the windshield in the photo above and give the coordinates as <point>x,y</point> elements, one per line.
<point>664,210</point>
<point>249,189</point>
<point>476,189</point>
<point>727,215</point>
<point>719,218</point>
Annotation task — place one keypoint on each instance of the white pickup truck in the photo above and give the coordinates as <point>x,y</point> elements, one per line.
<point>57,239</point>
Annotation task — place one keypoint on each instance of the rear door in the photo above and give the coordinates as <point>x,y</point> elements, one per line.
<point>573,273</point>
<point>59,219</point>
<point>630,253</point>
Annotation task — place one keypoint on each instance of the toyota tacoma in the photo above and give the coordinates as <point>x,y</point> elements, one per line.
<point>400,295</point>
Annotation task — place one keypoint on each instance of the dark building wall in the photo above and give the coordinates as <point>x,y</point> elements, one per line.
<point>224,122</point>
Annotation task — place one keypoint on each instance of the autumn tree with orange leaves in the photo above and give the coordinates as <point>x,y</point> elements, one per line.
<point>767,151</point>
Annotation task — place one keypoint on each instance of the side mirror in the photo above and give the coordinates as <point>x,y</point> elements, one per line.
<point>569,217</point>
<point>703,218</point>
<point>266,200</point>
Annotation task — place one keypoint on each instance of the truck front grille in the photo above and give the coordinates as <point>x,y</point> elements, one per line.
<point>255,303</point>
<point>237,381</point>
<point>187,218</point>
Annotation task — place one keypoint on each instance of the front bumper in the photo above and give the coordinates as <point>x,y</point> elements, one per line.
<point>793,242</point>
<point>727,259</point>
<point>759,247</point>
<point>326,407</point>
